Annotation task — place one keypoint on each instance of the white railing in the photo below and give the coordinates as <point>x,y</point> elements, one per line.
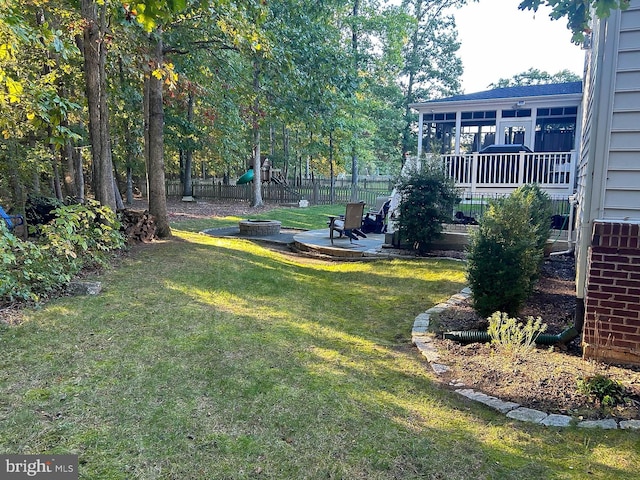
<point>486,172</point>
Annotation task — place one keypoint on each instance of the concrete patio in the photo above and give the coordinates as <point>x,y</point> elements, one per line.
<point>316,241</point>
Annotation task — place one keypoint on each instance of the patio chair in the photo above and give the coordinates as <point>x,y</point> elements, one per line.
<point>375,221</point>
<point>12,221</point>
<point>349,224</point>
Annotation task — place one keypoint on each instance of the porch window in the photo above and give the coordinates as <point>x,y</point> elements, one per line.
<point>478,130</point>
<point>439,137</point>
<point>474,138</point>
<point>555,129</point>
<point>514,135</point>
<point>439,132</point>
<point>516,113</point>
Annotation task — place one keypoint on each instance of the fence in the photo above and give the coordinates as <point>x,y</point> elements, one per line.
<point>473,206</point>
<point>316,194</point>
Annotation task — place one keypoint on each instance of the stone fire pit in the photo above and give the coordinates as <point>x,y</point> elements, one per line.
<point>259,228</point>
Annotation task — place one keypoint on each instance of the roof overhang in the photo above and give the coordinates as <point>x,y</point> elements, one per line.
<point>439,106</point>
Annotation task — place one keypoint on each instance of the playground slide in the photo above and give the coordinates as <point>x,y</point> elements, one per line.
<point>246,178</point>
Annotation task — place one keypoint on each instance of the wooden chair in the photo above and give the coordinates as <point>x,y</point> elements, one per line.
<point>348,224</point>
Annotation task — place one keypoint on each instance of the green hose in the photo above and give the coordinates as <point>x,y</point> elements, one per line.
<point>473,336</point>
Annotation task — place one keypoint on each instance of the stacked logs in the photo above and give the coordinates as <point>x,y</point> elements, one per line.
<point>139,226</point>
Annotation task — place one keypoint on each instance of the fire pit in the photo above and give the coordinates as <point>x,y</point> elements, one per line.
<point>259,228</point>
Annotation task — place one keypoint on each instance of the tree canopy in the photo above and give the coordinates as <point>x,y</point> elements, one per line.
<point>576,12</point>
<point>109,96</point>
<point>533,76</point>
<point>324,86</point>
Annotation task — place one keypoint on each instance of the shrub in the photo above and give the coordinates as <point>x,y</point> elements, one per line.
<point>427,200</point>
<point>82,233</point>
<point>540,211</point>
<point>513,336</point>
<point>506,252</point>
<point>79,236</point>
<point>602,389</point>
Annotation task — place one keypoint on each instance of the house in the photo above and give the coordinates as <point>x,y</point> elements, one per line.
<point>608,191</point>
<point>596,134</point>
<point>497,140</point>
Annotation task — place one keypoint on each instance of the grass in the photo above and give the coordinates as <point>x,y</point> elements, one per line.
<point>212,358</point>
<point>310,218</point>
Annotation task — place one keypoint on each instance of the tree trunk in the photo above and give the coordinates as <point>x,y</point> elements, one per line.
<point>76,154</point>
<point>129,142</point>
<point>187,193</point>
<point>129,185</point>
<point>157,193</point>
<point>108,186</point>
<point>332,187</point>
<point>285,152</point>
<point>257,173</point>
<point>356,65</point>
<point>57,186</point>
<point>95,55</point>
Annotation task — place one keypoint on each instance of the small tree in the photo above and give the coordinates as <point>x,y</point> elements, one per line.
<point>506,251</point>
<point>427,200</point>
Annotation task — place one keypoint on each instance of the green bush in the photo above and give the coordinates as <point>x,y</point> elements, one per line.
<point>427,200</point>
<point>603,390</point>
<point>540,209</point>
<point>79,236</point>
<point>506,251</point>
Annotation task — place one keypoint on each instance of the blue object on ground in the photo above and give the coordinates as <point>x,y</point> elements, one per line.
<point>12,220</point>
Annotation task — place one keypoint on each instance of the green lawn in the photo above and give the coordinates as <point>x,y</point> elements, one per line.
<point>213,358</point>
<point>311,218</point>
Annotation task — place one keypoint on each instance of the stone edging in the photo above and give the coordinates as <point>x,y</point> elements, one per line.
<point>423,340</point>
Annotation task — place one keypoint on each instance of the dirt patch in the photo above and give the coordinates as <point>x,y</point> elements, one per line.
<point>547,378</point>
<point>179,210</point>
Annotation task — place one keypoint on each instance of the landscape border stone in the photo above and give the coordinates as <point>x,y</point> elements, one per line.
<point>423,340</point>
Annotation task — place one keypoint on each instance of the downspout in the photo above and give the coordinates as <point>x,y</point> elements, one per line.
<point>547,339</point>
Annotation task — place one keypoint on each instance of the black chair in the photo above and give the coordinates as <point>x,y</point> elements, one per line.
<point>375,221</point>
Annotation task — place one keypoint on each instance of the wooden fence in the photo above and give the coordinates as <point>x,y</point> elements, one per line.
<point>280,194</point>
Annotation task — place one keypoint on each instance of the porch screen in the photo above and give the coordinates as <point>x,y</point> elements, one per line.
<point>555,129</point>
<point>439,133</point>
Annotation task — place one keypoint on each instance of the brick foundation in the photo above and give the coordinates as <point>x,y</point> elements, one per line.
<point>612,298</point>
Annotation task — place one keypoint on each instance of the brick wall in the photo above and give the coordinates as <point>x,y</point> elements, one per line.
<point>612,297</point>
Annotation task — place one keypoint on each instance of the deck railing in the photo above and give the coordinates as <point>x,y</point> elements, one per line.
<point>496,172</point>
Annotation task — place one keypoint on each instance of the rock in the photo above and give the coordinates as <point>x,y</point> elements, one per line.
<point>77,287</point>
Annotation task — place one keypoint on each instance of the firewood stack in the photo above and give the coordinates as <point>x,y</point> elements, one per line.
<point>139,226</point>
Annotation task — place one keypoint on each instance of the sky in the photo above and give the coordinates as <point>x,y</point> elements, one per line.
<point>500,41</point>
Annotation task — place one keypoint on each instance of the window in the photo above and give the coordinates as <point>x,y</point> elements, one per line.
<point>517,113</point>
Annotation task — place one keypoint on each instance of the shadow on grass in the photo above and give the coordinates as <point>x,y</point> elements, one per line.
<point>215,358</point>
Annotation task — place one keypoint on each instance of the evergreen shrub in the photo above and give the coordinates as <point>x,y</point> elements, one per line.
<point>506,252</point>
<point>427,200</point>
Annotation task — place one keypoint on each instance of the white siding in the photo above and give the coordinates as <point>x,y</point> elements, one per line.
<point>626,161</point>
<point>621,199</point>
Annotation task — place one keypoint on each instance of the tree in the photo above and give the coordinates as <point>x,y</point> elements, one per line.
<point>577,12</point>
<point>533,76</point>
<point>37,80</point>
<point>94,49</point>
<point>431,67</point>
